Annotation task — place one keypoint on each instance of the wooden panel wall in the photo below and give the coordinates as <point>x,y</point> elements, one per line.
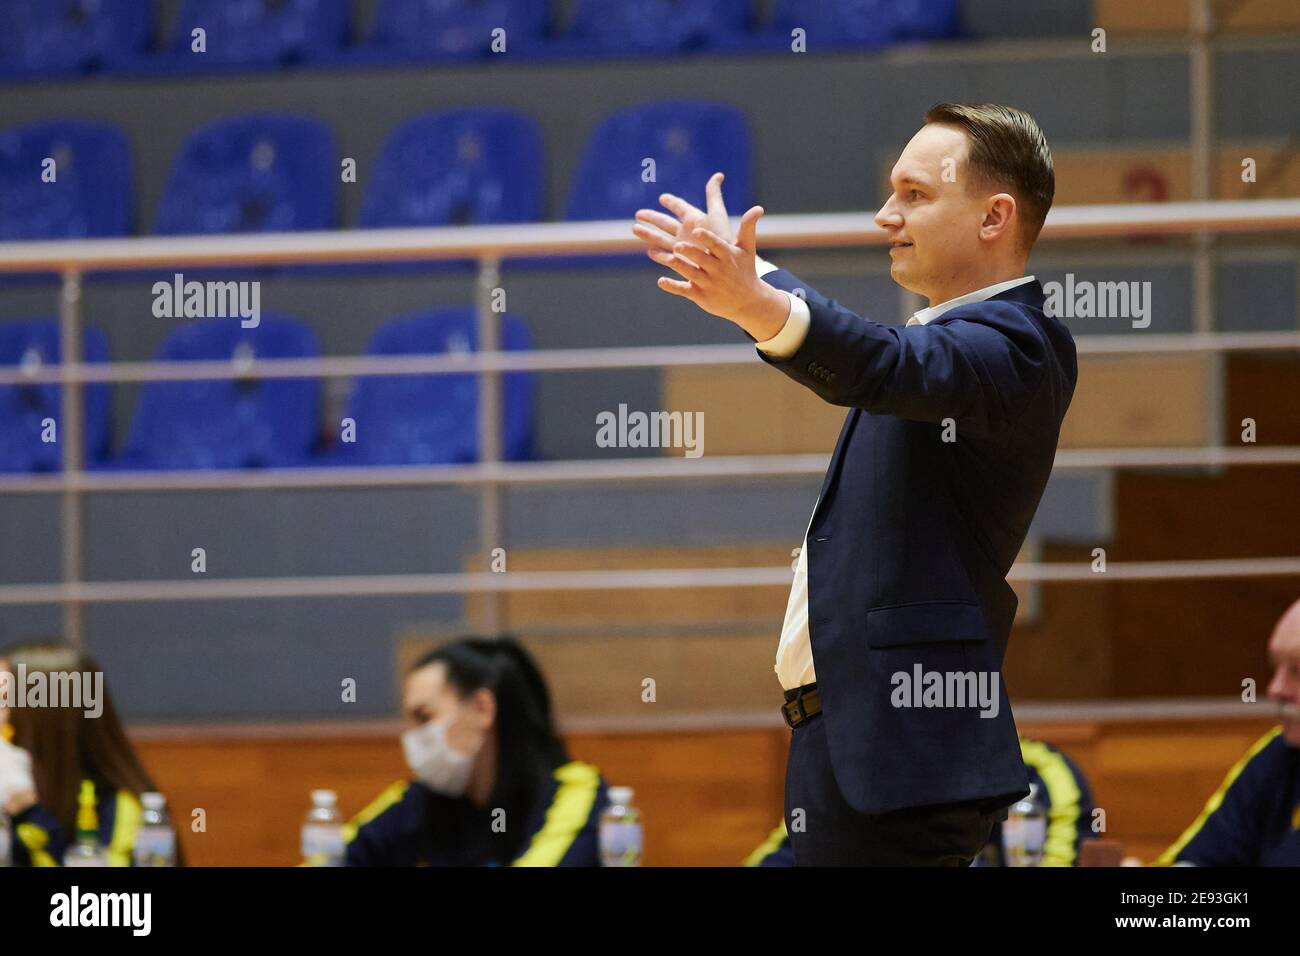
<point>1134,174</point>
<point>709,797</point>
<point>1174,16</point>
<point>793,419</point>
<point>708,650</point>
<point>1135,401</point>
<point>1120,402</point>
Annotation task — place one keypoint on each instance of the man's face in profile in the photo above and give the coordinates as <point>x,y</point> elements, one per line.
<point>933,215</point>
<point>1284,689</point>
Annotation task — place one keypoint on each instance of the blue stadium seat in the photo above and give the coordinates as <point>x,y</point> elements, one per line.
<point>433,419</point>
<point>457,167</point>
<point>866,23</point>
<point>262,172</point>
<point>927,19</point>
<point>91,194</point>
<point>853,24</point>
<point>654,25</point>
<point>52,37</point>
<point>688,140</point>
<point>406,29</point>
<point>34,344</point>
<point>228,423</point>
<point>261,32</point>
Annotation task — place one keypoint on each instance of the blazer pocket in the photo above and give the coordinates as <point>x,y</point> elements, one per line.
<point>926,622</point>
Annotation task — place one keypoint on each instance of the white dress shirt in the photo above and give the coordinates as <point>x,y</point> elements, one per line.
<point>794,660</point>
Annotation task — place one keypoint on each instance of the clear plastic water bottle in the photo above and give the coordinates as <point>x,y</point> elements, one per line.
<point>155,840</point>
<point>620,830</point>
<point>322,831</point>
<point>1024,831</point>
<point>6,840</point>
<point>87,850</point>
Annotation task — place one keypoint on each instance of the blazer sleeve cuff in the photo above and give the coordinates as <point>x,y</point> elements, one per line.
<point>786,343</point>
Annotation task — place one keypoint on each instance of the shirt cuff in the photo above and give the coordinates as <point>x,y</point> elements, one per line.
<point>785,343</point>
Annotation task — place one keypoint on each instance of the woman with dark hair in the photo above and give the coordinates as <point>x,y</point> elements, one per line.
<point>494,784</point>
<point>63,771</point>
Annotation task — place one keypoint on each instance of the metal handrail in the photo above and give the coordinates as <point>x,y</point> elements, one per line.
<point>72,260</point>
<point>550,360</point>
<point>807,231</point>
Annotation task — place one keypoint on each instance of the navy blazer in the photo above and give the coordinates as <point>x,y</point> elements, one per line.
<point>912,537</point>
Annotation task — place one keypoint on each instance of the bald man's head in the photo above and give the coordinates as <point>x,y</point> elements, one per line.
<point>1284,689</point>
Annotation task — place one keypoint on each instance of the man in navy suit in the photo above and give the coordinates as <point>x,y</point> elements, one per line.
<point>904,750</point>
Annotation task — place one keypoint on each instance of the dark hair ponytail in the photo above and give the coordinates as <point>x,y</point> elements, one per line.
<point>528,747</point>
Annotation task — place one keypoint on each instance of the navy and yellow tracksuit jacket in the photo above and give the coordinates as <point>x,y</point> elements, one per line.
<point>1253,819</point>
<point>1061,785</point>
<point>40,840</point>
<point>410,825</point>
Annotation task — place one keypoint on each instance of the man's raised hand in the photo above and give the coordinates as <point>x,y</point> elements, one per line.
<point>659,231</point>
<point>718,274</point>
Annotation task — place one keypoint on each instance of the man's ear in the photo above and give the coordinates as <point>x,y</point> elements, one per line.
<point>999,215</point>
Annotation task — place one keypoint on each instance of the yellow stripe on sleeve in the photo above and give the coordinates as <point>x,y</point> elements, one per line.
<point>126,821</point>
<point>388,798</point>
<point>1063,795</point>
<point>566,816</point>
<point>36,840</point>
<point>768,846</point>
<point>1170,856</point>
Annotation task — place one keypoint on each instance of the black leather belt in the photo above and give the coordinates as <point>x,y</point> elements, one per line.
<point>800,704</point>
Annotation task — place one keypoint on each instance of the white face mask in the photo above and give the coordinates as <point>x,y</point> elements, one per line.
<point>438,765</point>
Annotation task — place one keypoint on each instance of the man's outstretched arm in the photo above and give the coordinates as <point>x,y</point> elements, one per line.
<point>966,366</point>
<point>959,367</point>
